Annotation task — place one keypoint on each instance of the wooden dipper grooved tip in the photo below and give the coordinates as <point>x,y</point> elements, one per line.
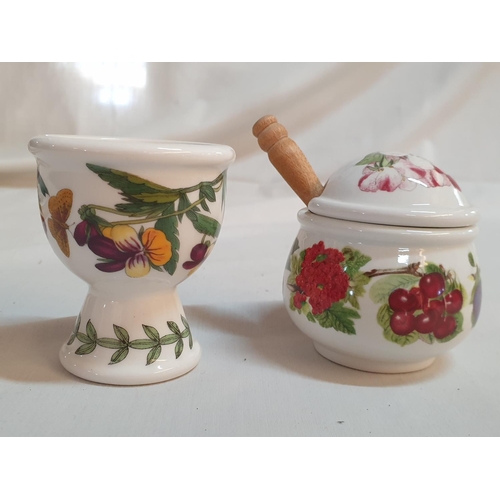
<point>287,158</point>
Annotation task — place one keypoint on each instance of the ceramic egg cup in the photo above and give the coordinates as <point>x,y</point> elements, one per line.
<point>132,218</point>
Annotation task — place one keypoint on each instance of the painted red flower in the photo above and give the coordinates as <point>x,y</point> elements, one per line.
<point>299,299</point>
<point>322,278</point>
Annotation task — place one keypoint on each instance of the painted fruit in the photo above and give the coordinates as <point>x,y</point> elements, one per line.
<point>436,305</point>
<point>402,323</point>
<point>402,300</point>
<point>426,322</point>
<point>432,285</point>
<point>445,327</point>
<point>418,295</point>
<point>453,301</point>
<point>198,252</point>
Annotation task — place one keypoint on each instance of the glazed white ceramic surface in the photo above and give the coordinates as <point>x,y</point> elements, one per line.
<point>384,275</point>
<point>412,192</point>
<point>133,308</point>
<point>389,247</point>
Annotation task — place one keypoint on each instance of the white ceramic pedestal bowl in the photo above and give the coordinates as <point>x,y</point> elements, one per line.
<point>383,276</point>
<point>132,218</point>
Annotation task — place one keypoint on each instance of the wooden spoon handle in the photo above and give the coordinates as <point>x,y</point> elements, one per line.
<point>287,158</point>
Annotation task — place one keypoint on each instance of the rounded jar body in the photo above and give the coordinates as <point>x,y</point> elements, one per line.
<point>382,298</point>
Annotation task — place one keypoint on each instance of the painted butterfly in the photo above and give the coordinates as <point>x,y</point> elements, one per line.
<point>60,209</point>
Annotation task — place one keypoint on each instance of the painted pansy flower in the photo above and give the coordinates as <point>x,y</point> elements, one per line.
<point>122,247</point>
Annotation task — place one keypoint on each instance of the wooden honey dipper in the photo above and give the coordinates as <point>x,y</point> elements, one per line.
<point>287,158</point>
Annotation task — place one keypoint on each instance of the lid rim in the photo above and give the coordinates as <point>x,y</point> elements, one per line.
<point>334,209</point>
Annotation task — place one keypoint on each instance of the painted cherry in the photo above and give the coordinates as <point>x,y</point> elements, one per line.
<point>403,300</point>
<point>436,305</point>
<point>453,301</point>
<point>402,323</point>
<point>432,285</point>
<point>425,322</point>
<point>418,295</point>
<point>445,327</point>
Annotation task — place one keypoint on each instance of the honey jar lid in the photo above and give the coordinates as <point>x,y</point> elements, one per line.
<point>395,189</point>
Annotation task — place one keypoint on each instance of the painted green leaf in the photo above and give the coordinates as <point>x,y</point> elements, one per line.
<point>75,330</point>
<point>310,317</point>
<point>428,338</point>
<point>151,332</point>
<point>133,187</point>
<point>339,317</point>
<point>41,184</point>
<point>184,322</point>
<point>168,225</point>
<point>190,341</point>
<point>204,205</point>
<point>296,266</point>
<point>178,348</point>
<point>143,343</point>
<point>183,204</point>
<point>110,343</point>
<point>121,333</point>
<point>85,339</point>
<point>119,355</point>
<point>185,333</point>
<point>433,268</point>
<point>77,323</point>
<point>384,320</point>
<point>384,317</point>
<point>359,281</point>
<point>172,325</point>
<point>153,355</point>
<point>352,299</point>
<point>459,328</point>
<point>371,158</point>
<point>92,334</point>
<point>157,268</point>
<point>208,192</point>
<point>386,162</point>
<point>402,340</point>
<point>354,261</point>
<point>381,289</point>
<point>169,339</point>
<point>139,209</point>
<point>471,259</point>
<point>86,348</point>
<point>294,248</point>
<point>158,198</point>
<point>204,224</point>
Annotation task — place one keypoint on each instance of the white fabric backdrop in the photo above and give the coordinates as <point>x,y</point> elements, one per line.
<point>447,112</point>
<point>259,375</point>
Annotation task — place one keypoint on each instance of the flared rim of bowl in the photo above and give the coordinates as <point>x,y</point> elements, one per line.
<point>183,152</point>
